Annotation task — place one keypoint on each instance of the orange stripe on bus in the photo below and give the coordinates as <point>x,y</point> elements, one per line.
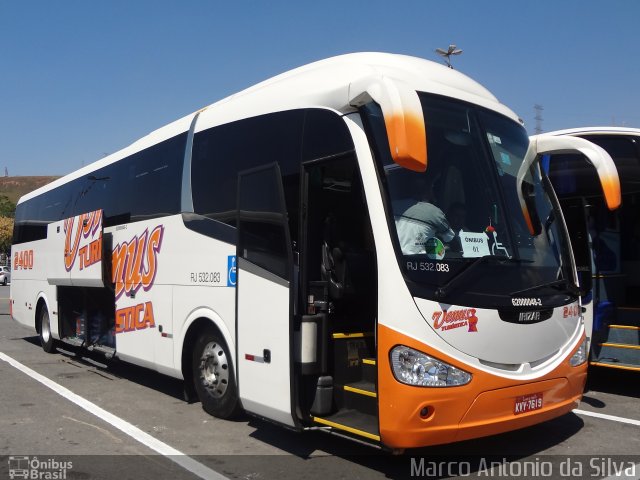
<point>482,407</point>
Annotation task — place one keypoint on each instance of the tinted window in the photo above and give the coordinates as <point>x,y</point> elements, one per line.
<point>573,175</point>
<point>144,185</point>
<point>33,216</point>
<point>625,151</point>
<point>221,152</point>
<point>325,134</point>
<point>263,220</point>
<point>154,177</point>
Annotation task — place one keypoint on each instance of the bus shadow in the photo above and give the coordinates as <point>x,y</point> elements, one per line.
<point>476,454</point>
<point>34,340</point>
<point>613,381</point>
<point>120,370</point>
<point>314,446</point>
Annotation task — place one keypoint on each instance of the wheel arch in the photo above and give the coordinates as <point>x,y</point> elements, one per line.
<point>198,321</point>
<point>42,302</point>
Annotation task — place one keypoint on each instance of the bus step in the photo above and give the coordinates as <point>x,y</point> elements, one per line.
<point>616,354</point>
<point>364,388</point>
<point>352,421</point>
<point>108,352</point>
<point>349,349</point>
<point>75,341</point>
<point>350,336</point>
<point>360,396</point>
<point>624,334</point>
<point>629,316</point>
<point>612,364</point>
<point>369,370</point>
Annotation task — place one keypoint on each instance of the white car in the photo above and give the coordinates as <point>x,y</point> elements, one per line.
<point>5,275</point>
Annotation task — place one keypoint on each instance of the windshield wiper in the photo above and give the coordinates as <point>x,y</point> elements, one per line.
<point>444,289</point>
<point>563,282</point>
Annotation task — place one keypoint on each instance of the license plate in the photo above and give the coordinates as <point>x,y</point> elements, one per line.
<point>527,403</point>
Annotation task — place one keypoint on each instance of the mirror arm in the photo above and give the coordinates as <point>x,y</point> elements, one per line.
<point>403,117</point>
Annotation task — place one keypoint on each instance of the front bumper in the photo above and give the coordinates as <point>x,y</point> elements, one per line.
<point>483,407</point>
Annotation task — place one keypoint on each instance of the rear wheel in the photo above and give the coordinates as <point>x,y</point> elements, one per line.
<point>213,376</point>
<point>4,281</point>
<point>46,339</point>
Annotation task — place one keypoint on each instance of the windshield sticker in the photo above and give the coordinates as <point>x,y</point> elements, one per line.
<point>474,244</point>
<point>494,139</point>
<point>506,159</point>
<point>434,248</point>
<point>448,320</point>
<point>496,246</point>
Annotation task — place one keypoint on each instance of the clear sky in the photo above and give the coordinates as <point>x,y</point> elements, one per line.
<point>83,78</point>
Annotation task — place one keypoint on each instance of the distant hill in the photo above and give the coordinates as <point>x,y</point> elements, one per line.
<point>15,187</point>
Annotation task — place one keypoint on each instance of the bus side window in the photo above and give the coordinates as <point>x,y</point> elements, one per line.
<point>221,152</point>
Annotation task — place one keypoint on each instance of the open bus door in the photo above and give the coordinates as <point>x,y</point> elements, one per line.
<point>337,352</point>
<point>264,296</point>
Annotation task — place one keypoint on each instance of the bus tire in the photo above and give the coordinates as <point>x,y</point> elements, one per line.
<point>46,339</point>
<point>213,375</point>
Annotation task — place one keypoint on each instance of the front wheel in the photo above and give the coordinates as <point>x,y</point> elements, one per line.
<point>46,339</point>
<point>213,376</point>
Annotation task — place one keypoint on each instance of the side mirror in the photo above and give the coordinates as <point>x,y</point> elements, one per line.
<point>403,118</point>
<point>549,144</point>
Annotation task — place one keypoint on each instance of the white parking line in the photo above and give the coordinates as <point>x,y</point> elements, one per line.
<point>604,416</point>
<point>144,438</point>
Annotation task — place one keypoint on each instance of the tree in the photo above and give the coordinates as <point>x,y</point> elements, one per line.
<point>6,234</point>
<point>7,207</point>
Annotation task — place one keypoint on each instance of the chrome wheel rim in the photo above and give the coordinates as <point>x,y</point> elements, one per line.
<point>214,370</point>
<point>45,328</point>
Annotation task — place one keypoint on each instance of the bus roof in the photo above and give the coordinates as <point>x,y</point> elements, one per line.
<point>322,84</point>
<point>597,131</point>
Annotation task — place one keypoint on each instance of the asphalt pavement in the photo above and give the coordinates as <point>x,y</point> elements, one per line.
<point>122,421</point>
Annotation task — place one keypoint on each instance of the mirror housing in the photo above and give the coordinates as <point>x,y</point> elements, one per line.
<point>599,158</point>
<point>403,118</point>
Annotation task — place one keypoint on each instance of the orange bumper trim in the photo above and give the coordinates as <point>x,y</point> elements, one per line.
<point>485,406</point>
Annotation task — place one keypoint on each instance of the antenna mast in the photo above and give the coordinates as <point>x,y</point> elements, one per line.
<point>538,118</point>
<point>446,54</point>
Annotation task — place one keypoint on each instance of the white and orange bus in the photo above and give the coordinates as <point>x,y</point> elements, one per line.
<point>365,245</point>
<point>612,307</point>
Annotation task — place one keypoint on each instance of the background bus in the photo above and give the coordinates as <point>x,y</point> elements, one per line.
<point>613,306</point>
<point>286,251</point>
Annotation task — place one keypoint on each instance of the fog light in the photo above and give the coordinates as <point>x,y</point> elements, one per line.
<point>426,412</point>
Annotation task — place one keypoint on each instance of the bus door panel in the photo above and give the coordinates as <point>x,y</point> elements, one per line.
<point>143,294</point>
<point>76,255</point>
<point>53,253</point>
<point>264,295</point>
<point>139,326</point>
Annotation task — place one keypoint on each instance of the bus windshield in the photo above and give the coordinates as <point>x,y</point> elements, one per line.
<point>463,211</point>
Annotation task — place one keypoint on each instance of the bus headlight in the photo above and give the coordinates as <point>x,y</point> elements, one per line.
<point>580,356</point>
<point>416,368</point>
